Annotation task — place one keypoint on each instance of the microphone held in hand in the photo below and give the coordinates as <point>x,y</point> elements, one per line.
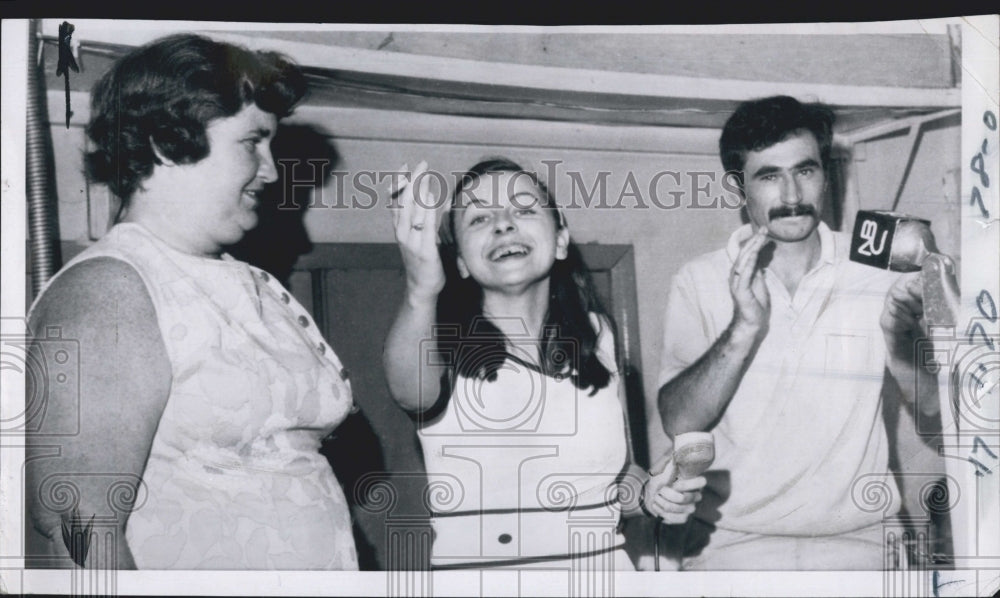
<point>693,454</point>
<point>901,243</point>
<point>891,240</point>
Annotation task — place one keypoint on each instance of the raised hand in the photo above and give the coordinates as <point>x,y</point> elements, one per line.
<point>751,300</point>
<point>415,222</point>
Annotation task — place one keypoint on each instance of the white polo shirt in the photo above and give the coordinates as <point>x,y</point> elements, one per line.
<point>802,448</point>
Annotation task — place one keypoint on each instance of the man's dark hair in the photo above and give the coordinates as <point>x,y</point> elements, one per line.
<point>759,124</point>
<point>165,93</point>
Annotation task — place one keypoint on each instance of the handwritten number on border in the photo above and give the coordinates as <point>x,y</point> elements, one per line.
<point>981,470</point>
<point>984,302</point>
<point>984,296</point>
<point>978,166</point>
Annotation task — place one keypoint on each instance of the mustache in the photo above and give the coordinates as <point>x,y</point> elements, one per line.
<point>786,211</point>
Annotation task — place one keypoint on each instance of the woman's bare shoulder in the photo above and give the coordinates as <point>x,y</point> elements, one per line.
<point>102,307</point>
<point>96,297</point>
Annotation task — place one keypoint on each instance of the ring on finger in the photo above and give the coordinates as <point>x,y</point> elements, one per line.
<point>417,227</point>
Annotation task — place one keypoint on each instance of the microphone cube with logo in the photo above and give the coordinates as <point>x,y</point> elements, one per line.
<point>902,243</point>
<point>891,240</point>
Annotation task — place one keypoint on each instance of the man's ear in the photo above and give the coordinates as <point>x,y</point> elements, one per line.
<point>562,243</point>
<point>463,270</point>
<point>160,158</point>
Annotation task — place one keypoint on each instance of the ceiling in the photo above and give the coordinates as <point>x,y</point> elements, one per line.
<point>626,78</point>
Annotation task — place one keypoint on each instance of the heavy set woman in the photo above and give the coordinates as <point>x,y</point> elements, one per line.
<point>204,387</point>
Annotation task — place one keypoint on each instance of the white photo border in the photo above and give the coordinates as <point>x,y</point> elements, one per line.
<point>977,568</point>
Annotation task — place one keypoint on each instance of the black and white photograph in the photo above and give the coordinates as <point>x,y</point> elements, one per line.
<point>436,310</point>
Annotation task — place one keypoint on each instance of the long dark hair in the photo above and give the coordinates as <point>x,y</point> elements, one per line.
<point>568,345</point>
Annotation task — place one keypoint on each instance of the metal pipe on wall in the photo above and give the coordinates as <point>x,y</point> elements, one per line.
<point>43,224</point>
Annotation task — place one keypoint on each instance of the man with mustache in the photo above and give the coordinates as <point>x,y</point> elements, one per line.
<point>779,345</point>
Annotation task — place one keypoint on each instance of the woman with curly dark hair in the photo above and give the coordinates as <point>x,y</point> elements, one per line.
<point>204,388</point>
<point>503,353</point>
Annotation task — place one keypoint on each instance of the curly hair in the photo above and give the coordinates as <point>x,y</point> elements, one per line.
<point>165,93</point>
<point>568,337</point>
<point>761,123</point>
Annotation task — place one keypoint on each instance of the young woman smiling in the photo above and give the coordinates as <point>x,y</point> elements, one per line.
<point>503,352</point>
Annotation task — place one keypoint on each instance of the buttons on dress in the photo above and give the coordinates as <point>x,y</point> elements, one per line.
<point>504,538</point>
<point>345,373</point>
<point>304,321</point>
<point>322,348</point>
<point>285,298</point>
<point>264,276</point>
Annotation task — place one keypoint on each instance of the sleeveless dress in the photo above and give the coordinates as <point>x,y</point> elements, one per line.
<point>523,471</point>
<point>234,478</point>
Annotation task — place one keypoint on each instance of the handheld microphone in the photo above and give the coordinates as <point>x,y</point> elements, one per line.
<point>693,454</point>
<point>902,243</point>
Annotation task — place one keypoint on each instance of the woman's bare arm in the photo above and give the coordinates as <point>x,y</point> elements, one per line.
<point>101,310</point>
<point>414,376</point>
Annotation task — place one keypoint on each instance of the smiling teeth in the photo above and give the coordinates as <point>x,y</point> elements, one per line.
<point>509,250</point>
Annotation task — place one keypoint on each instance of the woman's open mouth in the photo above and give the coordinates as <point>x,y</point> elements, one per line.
<point>252,195</point>
<point>509,251</point>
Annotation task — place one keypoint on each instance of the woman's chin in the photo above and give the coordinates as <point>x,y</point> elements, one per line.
<point>248,222</point>
<point>238,232</point>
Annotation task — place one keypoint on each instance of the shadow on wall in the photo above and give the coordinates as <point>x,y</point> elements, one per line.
<point>304,157</point>
<point>836,177</point>
<point>280,237</point>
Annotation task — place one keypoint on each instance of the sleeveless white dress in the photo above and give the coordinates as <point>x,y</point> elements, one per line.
<point>523,471</point>
<point>234,478</point>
